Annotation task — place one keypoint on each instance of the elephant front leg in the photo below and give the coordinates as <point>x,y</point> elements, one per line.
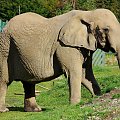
<point>71,62</point>
<point>3,83</point>
<point>30,104</point>
<point>75,85</point>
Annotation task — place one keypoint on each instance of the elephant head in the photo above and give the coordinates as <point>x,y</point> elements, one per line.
<point>93,29</point>
<point>107,31</point>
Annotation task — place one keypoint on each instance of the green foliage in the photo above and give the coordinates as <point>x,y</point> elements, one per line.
<point>47,8</point>
<point>113,5</point>
<point>50,8</point>
<point>10,8</point>
<point>86,4</point>
<point>65,8</point>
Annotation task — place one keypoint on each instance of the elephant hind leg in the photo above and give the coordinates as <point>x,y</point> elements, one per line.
<point>4,52</point>
<point>30,104</point>
<point>3,83</point>
<point>3,89</point>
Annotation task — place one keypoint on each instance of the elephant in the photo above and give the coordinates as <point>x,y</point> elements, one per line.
<point>35,49</point>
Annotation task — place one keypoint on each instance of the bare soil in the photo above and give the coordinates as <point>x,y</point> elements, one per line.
<point>107,105</point>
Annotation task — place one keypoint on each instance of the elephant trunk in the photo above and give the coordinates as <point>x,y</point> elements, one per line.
<point>117,43</point>
<point>118,57</point>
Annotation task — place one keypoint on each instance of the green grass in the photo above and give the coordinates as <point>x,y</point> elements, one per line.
<point>108,77</point>
<point>55,101</point>
<point>116,96</point>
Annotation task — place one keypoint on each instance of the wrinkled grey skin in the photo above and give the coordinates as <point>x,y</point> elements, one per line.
<point>35,49</point>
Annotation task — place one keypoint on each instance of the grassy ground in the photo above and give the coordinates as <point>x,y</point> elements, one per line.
<point>54,100</point>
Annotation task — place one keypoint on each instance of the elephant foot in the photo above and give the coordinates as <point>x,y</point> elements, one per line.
<point>75,101</point>
<point>30,105</point>
<point>4,109</point>
<point>32,109</point>
<point>96,90</point>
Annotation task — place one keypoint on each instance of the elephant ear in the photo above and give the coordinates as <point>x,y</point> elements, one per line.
<point>78,33</point>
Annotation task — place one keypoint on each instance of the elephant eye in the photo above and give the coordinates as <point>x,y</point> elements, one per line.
<point>106,30</point>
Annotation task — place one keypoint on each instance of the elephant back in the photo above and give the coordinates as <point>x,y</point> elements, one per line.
<point>34,39</point>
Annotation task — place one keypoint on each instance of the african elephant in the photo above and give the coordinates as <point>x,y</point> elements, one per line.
<point>35,49</point>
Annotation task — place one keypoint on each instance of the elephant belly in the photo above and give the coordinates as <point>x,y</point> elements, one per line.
<point>19,71</point>
<point>47,71</point>
<point>31,68</point>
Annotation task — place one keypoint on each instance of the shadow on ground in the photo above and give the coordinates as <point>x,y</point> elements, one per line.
<point>20,109</point>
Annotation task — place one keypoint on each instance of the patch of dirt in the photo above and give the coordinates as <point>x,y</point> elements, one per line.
<point>107,105</point>
<point>108,96</point>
